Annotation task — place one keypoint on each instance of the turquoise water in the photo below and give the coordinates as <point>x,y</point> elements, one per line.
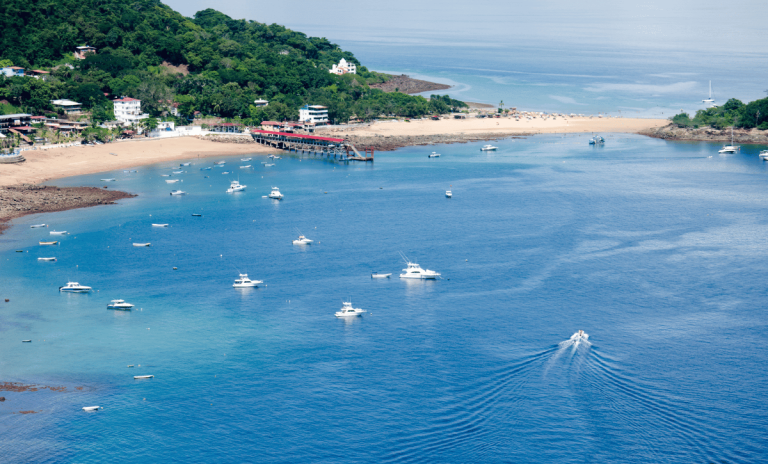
<point>654,249</point>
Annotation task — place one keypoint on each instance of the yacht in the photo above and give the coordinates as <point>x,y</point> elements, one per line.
<point>244,282</point>
<point>74,287</point>
<point>58,232</point>
<point>596,140</point>
<point>710,102</point>
<point>729,148</point>
<point>489,148</point>
<point>178,192</point>
<point>448,194</point>
<point>119,304</point>
<point>763,155</point>
<point>171,181</point>
<point>434,155</point>
<point>49,243</point>
<point>47,259</point>
<point>414,271</point>
<point>302,240</point>
<point>348,311</point>
<point>235,186</point>
<point>142,244</point>
<point>275,194</point>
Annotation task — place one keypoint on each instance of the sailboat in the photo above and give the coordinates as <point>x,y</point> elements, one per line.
<point>709,101</point>
<point>729,149</point>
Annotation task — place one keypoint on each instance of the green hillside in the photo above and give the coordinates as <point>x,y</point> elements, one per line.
<point>210,63</point>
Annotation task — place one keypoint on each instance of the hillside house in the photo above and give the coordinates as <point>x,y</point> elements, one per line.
<point>80,52</point>
<point>343,68</point>
<point>128,111</point>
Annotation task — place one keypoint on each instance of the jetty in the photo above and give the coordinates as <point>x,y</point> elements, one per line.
<point>328,147</point>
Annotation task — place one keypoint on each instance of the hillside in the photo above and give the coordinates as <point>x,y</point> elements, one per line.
<point>210,63</point>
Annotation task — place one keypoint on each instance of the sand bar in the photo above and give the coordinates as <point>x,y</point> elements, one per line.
<point>44,165</point>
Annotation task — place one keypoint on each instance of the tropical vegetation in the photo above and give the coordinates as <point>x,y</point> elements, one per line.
<point>732,113</point>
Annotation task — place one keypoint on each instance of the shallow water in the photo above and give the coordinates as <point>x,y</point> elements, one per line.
<point>654,249</point>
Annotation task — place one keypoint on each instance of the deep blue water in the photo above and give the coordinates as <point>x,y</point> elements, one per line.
<point>655,249</point>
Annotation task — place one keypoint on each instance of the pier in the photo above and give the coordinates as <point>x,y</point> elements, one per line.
<point>312,145</point>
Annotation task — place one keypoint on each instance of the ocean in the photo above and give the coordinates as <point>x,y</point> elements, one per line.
<point>653,248</point>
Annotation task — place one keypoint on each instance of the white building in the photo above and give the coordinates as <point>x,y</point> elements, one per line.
<point>128,111</point>
<point>80,52</point>
<point>67,106</point>
<point>314,113</point>
<point>343,68</point>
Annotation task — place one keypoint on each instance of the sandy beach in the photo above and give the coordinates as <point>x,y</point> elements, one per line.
<point>44,165</point>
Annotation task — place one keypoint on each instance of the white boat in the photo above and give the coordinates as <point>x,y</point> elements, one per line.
<point>348,311</point>
<point>26,341</point>
<point>171,181</point>
<point>74,287</point>
<point>268,165</point>
<point>91,408</point>
<point>227,172</point>
<point>119,304</point>
<point>245,159</point>
<point>245,167</point>
<point>376,275</point>
<point>729,148</point>
<point>49,243</point>
<point>710,102</point>
<point>414,271</point>
<point>235,186</point>
<point>111,179</point>
<point>271,156</point>
<point>143,376</point>
<point>434,155</point>
<point>185,164</point>
<point>178,172</point>
<point>159,225</point>
<point>178,192</point>
<point>244,282</point>
<point>763,155</point>
<point>165,175</point>
<point>37,226</point>
<point>302,240</point>
<point>219,163</point>
<point>58,232</point>
<point>489,148</point>
<point>47,259</point>
<point>275,194</point>
<point>142,244</point>
<point>448,194</point>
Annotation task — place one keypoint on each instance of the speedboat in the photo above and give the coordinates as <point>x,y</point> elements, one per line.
<point>244,282</point>
<point>178,172</point>
<point>159,225</point>
<point>245,159</point>
<point>448,194</point>
<point>171,181</point>
<point>178,192</point>
<point>489,148</point>
<point>245,167</point>
<point>376,275</point>
<point>434,155</point>
<point>37,226</point>
<point>74,287</point>
<point>142,244</point>
<point>47,259</point>
<point>596,140</point>
<point>348,311</point>
<point>119,304</point>
<point>235,186</point>
<point>414,271</point>
<point>143,376</point>
<point>275,194</point>
<point>185,164</point>
<point>49,243</point>
<point>58,232</point>
<point>91,408</point>
<point>580,335</point>
<point>302,240</point>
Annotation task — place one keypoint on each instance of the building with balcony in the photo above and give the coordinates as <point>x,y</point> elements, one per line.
<point>315,114</point>
<point>12,71</point>
<point>343,68</point>
<point>128,111</point>
<point>67,106</point>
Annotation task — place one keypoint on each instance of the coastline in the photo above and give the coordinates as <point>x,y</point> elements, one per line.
<point>708,134</point>
<point>406,84</point>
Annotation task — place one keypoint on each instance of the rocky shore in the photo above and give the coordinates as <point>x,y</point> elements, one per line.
<point>393,142</point>
<point>405,84</point>
<point>708,134</point>
<point>17,201</point>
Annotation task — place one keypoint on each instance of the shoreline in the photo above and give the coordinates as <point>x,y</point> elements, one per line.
<point>674,133</point>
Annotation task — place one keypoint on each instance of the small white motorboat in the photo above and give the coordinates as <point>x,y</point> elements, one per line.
<point>244,282</point>
<point>302,240</point>
<point>489,148</point>
<point>197,215</point>
<point>448,194</point>
<point>376,275</point>
<point>245,159</point>
<point>268,165</point>
<point>111,179</point>
<point>219,163</point>
<point>434,155</point>
<point>178,172</point>
<point>165,175</point>
<point>74,287</point>
<point>92,408</point>
<point>119,304</point>
<point>142,244</point>
<point>235,186</point>
<point>37,226</point>
<point>206,169</point>
<point>245,167</point>
<point>58,232</point>
<point>47,259</point>
<point>271,156</point>
<point>171,181</point>
<point>763,155</point>
<point>159,225</point>
<point>178,192</point>
<point>143,376</point>
<point>185,164</point>
<point>49,243</point>
<point>348,311</point>
<point>275,194</point>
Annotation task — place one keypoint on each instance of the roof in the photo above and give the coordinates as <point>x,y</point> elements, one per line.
<point>316,107</point>
<point>21,128</point>
<point>17,115</point>
<point>40,71</point>
<point>228,124</point>
<point>126,99</point>
<point>270,123</point>
<point>37,117</point>
<point>65,102</point>
<point>15,67</point>
<point>300,136</point>
<point>261,101</point>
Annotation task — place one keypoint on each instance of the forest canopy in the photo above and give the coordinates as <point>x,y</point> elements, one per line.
<point>210,63</point>
<point>732,113</point>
